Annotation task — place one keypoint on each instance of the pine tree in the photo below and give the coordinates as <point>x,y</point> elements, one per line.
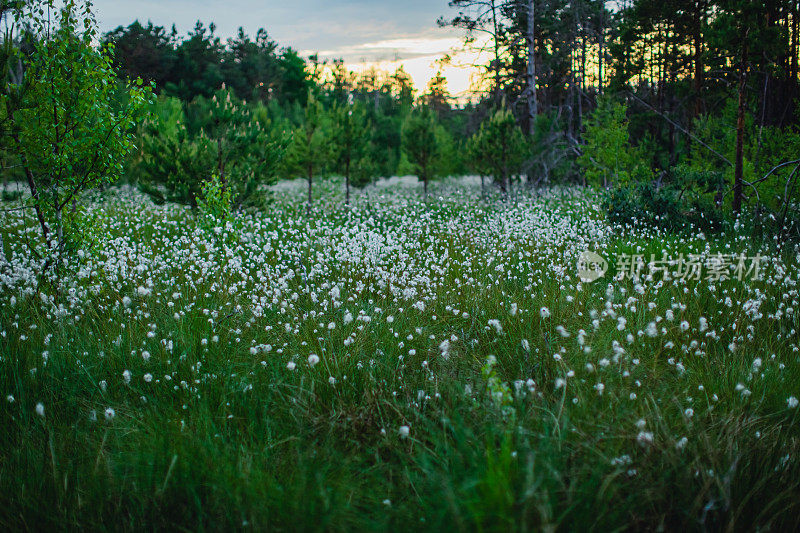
<point>499,148</point>
<point>420,143</point>
<point>310,150</point>
<point>608,157</point>
<point>351,137</point>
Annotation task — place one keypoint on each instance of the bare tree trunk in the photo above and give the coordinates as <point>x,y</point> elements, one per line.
<point>795,29</point>
<point>531,39</point>
<point>582,86</point>
<point>35,195</point>
<point>699,69</point>
<point>794,48</point>
<point>496,54</point>
<point>739,163</point>
<point>601,44</point>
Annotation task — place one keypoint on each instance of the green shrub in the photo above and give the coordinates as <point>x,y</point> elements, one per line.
<point>687,197</point>
<point>183,145</point>
<point>214,203</point>
<point>499,148</point>
<point>608,159</point>
<point>11,195</point>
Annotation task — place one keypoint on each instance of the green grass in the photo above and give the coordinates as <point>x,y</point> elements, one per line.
<point>224,438</point>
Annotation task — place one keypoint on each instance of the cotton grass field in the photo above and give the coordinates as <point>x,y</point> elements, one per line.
<point>402,364</point>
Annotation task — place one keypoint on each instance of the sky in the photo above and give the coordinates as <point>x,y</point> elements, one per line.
<point>365,33</point>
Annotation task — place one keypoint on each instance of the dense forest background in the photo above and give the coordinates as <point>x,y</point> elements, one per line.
<point>676,109</point>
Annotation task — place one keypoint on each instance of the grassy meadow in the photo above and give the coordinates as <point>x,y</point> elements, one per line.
<point>400,364</point>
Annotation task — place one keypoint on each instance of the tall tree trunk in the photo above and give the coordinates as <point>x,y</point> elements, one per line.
<point>570,126</point>
<point>671,104</point>
<point>34,191</point>
<point>531,41</point>
<point>36,204</point>
<point>601,38</point>
<point>699,69</point>
<point>794,47</point>
<point>795,51</point>
<point>496,36</point>
<point>739,163</point>
<point>582,86</point>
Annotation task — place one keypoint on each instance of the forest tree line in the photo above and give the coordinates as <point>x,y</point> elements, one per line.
<point>677,109</point>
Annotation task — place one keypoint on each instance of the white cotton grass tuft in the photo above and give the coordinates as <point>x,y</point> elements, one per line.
<point>364,290</point>
<point>444,348</point>
<point>645,438</point>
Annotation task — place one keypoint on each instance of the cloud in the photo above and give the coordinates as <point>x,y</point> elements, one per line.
<point>302,24</point>
<point>392,49</point>
<point>365,33</point>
